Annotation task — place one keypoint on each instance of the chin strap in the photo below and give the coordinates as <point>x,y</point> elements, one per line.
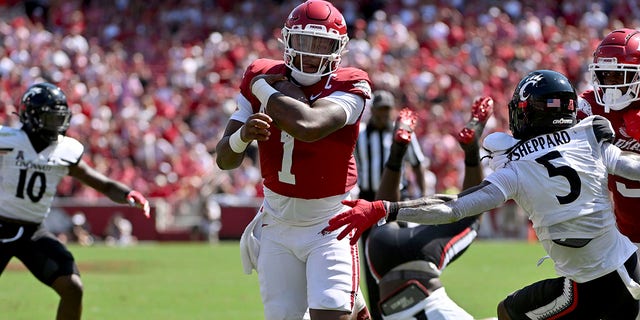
<point>304,79</point>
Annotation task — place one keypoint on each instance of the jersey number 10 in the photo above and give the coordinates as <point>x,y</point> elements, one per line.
<point>36,178</point>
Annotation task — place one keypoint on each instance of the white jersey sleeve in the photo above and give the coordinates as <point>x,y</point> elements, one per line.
<point>352,104</point>
<point>243,111</point>
<point>30,179</point>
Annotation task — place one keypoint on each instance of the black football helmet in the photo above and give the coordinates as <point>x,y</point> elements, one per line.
<point>544,102</point>
<point>44,111</point>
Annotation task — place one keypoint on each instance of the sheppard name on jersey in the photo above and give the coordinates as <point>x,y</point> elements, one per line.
<point>30,165</point>
<point>540,143</point>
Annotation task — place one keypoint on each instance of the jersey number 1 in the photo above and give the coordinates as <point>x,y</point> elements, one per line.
<point>285,175</point>
<point>36,177</point>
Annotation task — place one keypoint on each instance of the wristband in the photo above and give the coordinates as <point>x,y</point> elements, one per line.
<point>396,156</point>
<point>471,156</point>
<point>472,162</point>
<point>263,90</point>
<point>392,211</point>
<point>236,143</point>
<point>393,166</point>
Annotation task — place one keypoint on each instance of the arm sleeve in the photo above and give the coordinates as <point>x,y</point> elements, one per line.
<point>486,197</point>
<point>623,164</point>
<point>243,109</point>
<point>352,104</point>
<point>610,156</point>
<point>602,129</point>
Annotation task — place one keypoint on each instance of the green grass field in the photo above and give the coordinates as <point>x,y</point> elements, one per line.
<point>198,281</point>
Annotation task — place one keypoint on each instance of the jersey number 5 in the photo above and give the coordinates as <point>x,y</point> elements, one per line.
<point>565,171</point>
<point>36,178</point>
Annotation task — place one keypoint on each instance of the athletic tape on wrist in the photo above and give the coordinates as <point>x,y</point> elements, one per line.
<point>263,91</point>
<point>393,166</point>
<point>472,157</point>
<point>236,143</point>
<point>471,162</point>
<point>392,211</point>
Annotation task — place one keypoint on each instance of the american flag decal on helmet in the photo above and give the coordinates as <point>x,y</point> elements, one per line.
<point>553,103</point>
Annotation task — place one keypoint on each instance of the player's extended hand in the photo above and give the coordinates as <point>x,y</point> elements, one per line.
<point>136,199</point>
<point>405,125</point>
<point>256,127</point>
<point>481,111</point>
<point>362,215</point>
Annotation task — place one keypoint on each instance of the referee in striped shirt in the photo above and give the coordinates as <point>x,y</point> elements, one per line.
<point>372,151</point>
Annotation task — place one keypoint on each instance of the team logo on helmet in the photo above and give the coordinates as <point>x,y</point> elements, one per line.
<point>533,80</point>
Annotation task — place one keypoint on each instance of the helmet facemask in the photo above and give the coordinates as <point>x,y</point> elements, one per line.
<point>310,45</point>
<point>48,122</point>
<point>615,94</point>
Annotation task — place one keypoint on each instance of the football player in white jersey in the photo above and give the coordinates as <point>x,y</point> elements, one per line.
<point>556,170</point>
<point>33,160</point>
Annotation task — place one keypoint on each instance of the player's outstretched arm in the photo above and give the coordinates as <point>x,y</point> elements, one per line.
<point>436,209</point>
<point>468,138</point>
<point>627,165</point>
<point>364,214</point>
<point>389,188</point>
<point>115,190</point>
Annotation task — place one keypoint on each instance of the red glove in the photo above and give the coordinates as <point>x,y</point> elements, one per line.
<point>481,110</point>
<point>361,217</point>
<point>136,199</point>
<point>632,123</point>
<point>405,125</point>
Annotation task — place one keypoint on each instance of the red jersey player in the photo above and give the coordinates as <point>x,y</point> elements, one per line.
<point>615,73</point>
<point>306,161</point>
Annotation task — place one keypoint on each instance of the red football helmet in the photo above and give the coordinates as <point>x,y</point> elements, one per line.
<point>615,71</point>
<point>316,33</point>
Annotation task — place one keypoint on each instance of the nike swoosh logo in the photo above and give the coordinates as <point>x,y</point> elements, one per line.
<point>314,96</point>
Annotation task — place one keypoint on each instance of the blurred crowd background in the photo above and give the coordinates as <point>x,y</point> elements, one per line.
<point>151,84</point>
